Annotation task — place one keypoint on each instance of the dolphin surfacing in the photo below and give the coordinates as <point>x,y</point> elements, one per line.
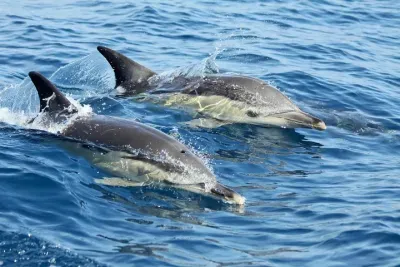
<point>130,150</point>
<point>225,99</point>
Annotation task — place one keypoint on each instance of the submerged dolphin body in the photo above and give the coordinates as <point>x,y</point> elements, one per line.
<point>134,152</point>
<point>224,99</point>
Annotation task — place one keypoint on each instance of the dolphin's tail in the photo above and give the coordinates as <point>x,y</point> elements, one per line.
<point>128,74</point>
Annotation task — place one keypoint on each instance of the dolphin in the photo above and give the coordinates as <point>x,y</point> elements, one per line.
<point>133,152</point>
<point>222,99</point>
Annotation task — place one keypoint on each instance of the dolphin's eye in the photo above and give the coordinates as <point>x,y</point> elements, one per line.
<point>183,151</point>
<point>252,114</point>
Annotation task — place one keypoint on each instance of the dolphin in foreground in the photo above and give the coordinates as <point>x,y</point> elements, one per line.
<point>223,99</point>
<point>134,152</point>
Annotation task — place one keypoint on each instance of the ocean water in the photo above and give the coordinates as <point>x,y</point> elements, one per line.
<point>314,198</point>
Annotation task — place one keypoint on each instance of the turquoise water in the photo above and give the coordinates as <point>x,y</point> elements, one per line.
<point>313,198</point>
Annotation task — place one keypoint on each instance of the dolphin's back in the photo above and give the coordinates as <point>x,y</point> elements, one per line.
<point>142,141</point>
<point>121,134</point>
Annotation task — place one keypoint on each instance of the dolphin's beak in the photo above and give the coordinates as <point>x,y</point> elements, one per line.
<point>217,191</point>
<point>301,119</point>
<point>228,194</point>
<point>320,125</point>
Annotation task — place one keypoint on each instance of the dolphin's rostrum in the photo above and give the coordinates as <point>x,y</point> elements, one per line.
<point>130,150</point>
<point>223,99</point>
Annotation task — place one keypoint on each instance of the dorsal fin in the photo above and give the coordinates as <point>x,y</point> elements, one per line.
<point>129,74</point>
<point>51,99</point>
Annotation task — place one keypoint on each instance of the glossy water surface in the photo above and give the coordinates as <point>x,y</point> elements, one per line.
<point>313,198</point>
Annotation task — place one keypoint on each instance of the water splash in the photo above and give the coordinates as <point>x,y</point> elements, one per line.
<point>13,118</point>
<point>198,69</point>
<point>22,118</point>
<point>20,98</point>
<point>19,103</point>
<point>86,77</point>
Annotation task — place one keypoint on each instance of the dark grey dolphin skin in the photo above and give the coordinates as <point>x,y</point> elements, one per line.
<point>231,99</point>
<point>150,152</point>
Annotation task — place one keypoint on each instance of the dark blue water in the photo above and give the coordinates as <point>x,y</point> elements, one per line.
<point>313,198</point>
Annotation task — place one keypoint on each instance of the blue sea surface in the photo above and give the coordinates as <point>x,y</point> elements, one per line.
<point>314,198</point>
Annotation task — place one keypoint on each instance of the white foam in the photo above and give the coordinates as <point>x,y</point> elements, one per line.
<point>17,118</point>
<point>120,89</point>
<point>21,118</point>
